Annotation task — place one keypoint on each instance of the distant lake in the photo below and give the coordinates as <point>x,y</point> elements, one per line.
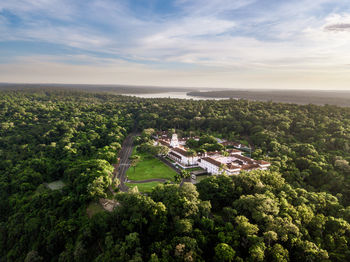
<point>181,95</point>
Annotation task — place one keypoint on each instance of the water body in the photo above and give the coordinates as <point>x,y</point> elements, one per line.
<point>181,95</point>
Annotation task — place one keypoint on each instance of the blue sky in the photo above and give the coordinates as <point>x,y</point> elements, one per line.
<point>204,43</point>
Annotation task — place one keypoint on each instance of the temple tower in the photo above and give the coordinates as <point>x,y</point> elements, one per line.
<point>174,141</point>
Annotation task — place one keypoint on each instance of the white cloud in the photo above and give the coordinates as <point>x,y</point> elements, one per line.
<point>59,9</point>
<point>46,71</point>
<point>211,7</point>
<point>290,39</point>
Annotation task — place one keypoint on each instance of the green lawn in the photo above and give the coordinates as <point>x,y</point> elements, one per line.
<point>194,169</point>
<point>144,187</point>
<point>150,167</point>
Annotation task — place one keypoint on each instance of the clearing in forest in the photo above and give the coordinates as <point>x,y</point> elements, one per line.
<point>56,185</point>
<point>149,167</point>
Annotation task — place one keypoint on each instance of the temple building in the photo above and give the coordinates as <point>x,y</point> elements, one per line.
<point>230,163</point>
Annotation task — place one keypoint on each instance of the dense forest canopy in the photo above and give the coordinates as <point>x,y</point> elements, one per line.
<point>299,210</point>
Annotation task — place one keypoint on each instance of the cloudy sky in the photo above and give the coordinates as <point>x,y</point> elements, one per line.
<point>205,43</point>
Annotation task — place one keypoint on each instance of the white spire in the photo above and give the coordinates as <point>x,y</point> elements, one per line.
<point>174,141</point>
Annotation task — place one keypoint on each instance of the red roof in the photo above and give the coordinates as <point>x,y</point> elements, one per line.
<point>232,151</point>
<point>164,142</point>
<point>262,162</point>
<point>232,166</point>
<point>175,155</point>
<point>212,161</point>
<point>250,166</point>
<point>180,151</point>
<point>244,158</point>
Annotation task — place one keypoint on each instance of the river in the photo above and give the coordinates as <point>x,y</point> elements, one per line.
<point>181,95</point>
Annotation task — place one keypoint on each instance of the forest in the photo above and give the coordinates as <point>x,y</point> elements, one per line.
<point>298,210</point>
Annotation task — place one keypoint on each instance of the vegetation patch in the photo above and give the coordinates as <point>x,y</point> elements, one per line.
<point>93,208</point>
<point>144,187</point>
<point>149,167</point>
<point>194,169</point>
<point>200,178</point>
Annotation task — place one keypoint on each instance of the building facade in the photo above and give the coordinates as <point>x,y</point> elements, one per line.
<point>231,163</point>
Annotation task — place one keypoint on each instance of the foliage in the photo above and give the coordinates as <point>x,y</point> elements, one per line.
<point>297,211</point>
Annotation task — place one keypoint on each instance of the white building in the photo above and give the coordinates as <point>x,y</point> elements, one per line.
<point>213,162</point>
<point>183,157</point>
<point>231,165</point>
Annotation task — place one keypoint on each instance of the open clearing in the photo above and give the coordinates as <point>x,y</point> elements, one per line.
<point>150,167</point>
<point>56,185</point>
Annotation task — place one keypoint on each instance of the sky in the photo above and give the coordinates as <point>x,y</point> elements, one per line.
<point>294,44</point>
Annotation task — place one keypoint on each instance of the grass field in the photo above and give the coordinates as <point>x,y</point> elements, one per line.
<point>144,187</point>
<point>150,167</point>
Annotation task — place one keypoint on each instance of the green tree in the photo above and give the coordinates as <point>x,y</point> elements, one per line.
<point>224,252</point>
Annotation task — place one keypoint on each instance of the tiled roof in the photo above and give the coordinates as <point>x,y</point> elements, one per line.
<point>262,162</point>
<point>164,142</point>
<point>232,151</point>
<point>232,166</point>
<point>175,155</point>
<point>250,166</point>
<point>212,161</point>
<point>244,158</point>
<point>180,151</point>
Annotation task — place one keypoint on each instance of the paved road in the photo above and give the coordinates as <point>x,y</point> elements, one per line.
<point>124,162</point>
